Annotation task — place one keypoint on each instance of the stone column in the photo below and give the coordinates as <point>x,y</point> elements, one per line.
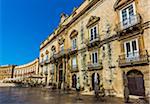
<point>64,69</point>
<point>57,75</point>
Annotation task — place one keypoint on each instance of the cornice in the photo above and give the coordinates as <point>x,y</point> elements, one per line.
<point>90,5</point>
<point>73,33</point>
<point>120,3</point>
<point>92,20</point>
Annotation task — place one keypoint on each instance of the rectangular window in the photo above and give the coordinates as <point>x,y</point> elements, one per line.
<point>128,16</point>
<point>42,59</point>
<point>74,43</point>
<point>93,33</point>
<point>53,67</point>
<point>62,47</point>
<point>131,49</point>
<point>74,62</point>
<point>46,57</point>
<point>95,57</point>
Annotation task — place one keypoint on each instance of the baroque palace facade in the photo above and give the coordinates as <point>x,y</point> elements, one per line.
<point>103,38</point>
<point>14,72</point>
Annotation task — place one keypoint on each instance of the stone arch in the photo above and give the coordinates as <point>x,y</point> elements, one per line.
<point>53,48</point>
<point>73,34</point>
<point>98,78</point>
<point>136,82</point>
<point>74,80</point>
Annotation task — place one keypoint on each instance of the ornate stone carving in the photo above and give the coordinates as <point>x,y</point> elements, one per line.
<point>42,55</point>
<point>92,20</point>
<point>119,3</point>
<point>73,34</point>
<point>61,40</point>
<point>47,52</point>
<point>53,48</point>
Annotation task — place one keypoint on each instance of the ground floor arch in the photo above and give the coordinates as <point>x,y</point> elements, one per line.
<point>74,80</point>
<point>136,82</point>
<point>93,78</point>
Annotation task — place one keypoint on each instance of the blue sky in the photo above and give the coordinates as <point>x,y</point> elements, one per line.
<point>24,24</point>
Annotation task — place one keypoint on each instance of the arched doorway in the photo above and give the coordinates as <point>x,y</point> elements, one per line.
<point>93,77</point>
<point>74,81</point>
<point>136,83</point>
<point>60,75</point>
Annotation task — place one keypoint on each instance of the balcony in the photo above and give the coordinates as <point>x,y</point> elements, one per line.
<point>73,50</point>
<point>94,42</point>
<point>61,53</point>
<point>95,66</point>
<point>74,68</point>
<point>47,61</point>
<point>137,58</point>
<point>130,25</point>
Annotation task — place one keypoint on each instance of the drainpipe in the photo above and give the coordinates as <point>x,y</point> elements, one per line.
<point>12,71</point>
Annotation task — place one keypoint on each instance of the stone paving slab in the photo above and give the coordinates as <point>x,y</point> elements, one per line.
<point>45,96</point>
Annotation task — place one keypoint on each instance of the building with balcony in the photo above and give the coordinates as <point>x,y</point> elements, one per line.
<point>100,40</point>
<point>9,73</point>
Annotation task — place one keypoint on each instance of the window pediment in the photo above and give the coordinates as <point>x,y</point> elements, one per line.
<point>42,55</point>
<point>47,52</point>
<point>73,34</point>
<point>92,20</point>
<point>61,40</point>
<point>120,3</point>
<point>53,48</point>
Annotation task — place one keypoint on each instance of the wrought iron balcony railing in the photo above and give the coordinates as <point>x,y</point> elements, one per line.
<point>60,54</point>
<point>73,50</point>
<point>97,65</point>
<point>92,42</point>
<point>132,59</point>
<point>129,22</point>
<point>95,39</point>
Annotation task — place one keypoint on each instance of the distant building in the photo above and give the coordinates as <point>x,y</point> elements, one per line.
<point>26,70</point>
<point>6,71</point>
<point>19,72</point>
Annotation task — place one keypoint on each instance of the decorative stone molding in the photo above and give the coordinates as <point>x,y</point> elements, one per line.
<point>53,48</point>
<point>47,52</point>
<point>120,3</point>
<point>92,20</point>
<point>73,34</point>
<point>42,55</point>
<point>61,40</point>
<point>61,28</point>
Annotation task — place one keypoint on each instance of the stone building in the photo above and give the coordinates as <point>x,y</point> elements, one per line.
<point>6,71</point>
<point>14,72</point>
<point>103,38</point>
<point>26,70</point>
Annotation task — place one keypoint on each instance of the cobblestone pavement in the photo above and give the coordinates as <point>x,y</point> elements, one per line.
<point>42,96</point>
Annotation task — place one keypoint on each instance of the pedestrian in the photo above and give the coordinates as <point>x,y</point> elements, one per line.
<point>126,94</point>
<point>96,89</point>
<point>78,89</point>
<point>126,89</point>
<point>96,85</point>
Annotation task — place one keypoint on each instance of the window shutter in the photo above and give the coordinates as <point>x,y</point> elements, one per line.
<point>96,57</point>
